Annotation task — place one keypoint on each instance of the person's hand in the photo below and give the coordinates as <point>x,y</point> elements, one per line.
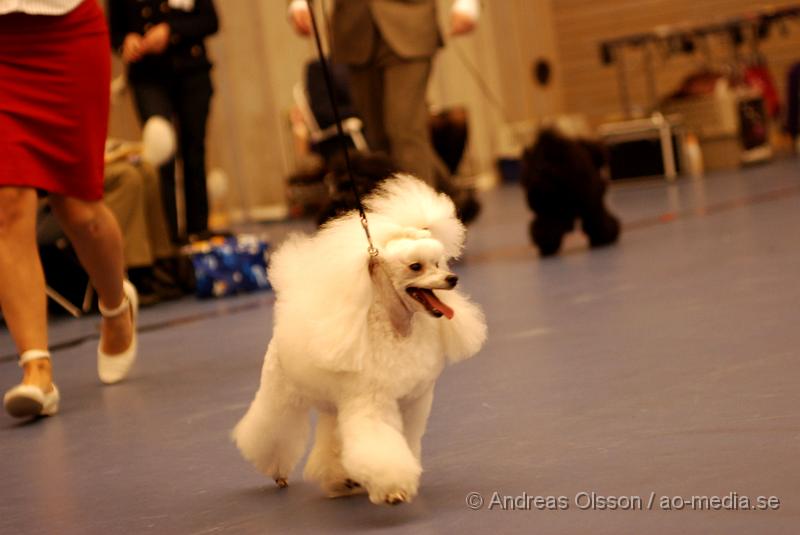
<point>300,18</point>
<point>156,39</point>
<point>461,23</point>
<point>132,50</point>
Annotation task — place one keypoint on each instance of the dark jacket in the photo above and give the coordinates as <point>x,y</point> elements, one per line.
<point>186,51</point>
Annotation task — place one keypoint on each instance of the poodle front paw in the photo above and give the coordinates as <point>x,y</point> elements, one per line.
<point>393,494</point>
<point>387,480</point>
<point>282,482</point>
<point>396,498</point>
<point>393,497</point>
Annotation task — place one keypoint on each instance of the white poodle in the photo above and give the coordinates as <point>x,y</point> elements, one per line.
<point>362,340</point>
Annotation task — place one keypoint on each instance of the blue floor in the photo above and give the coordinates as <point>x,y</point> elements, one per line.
<point>665,366</point>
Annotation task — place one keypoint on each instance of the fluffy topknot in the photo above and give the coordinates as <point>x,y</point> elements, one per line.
<point>409,202</point>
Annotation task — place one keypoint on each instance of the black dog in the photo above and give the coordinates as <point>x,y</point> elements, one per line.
<point>563,181</point>
<point>371,169</point>
<point>368,171</point>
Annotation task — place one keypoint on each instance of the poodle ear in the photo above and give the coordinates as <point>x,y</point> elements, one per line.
<point>464,335</point>
<point>321,307</point>
<point>324,327</point>
<point>399,313</point>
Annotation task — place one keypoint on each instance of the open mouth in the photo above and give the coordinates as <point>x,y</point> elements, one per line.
<point>431,303</point>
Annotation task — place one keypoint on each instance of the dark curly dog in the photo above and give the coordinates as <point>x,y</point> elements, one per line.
<point>563,181</point>
<point>368,172</point>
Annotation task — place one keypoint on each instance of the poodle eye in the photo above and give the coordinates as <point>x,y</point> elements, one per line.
<point>416,266</point>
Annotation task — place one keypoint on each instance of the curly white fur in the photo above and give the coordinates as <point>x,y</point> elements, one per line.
<point>350,341</point>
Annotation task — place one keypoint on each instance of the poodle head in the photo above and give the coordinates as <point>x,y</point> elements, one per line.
<point>417,233</point>
<point>417,269</point>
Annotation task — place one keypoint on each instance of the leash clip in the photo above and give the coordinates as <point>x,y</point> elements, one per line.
<point>373,252</point>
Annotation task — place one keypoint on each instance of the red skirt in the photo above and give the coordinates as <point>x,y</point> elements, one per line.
<point>54,97</point>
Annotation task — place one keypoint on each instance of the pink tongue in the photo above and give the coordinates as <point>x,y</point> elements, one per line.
<point>435,304</point>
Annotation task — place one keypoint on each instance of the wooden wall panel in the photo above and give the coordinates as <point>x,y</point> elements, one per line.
<point>511,35</point>
<point>591,88</point>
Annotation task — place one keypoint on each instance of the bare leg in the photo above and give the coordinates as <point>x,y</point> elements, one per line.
<point>22,295</point>
<point>94,233</point>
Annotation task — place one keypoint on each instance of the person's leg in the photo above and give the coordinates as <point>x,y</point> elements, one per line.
<point>22,287</point>
<point>192,99</point>
<point>366,88</point>
<point>449,135</point>
<point>95,235</point>
<point>405,114</point>
<point>125,196</point>
<point>154,214</point>
<point>154,99</point>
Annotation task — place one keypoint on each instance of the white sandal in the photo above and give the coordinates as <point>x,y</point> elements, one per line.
<point>114,368</point>
<point>26,401</point>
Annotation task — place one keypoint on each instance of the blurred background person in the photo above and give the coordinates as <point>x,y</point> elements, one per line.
<point>162,43</point>
<point>132,192</point>
<point>54,102</point>
<point>389,47</point>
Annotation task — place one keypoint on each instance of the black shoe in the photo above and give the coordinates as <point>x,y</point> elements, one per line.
<point>142,279</point>
<point>176,272</point>
<point>151,290</point>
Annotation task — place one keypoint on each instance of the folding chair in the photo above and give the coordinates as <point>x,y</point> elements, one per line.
<point>313,102</point>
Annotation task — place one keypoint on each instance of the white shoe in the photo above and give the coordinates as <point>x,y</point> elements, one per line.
<point>27,401</point>
<point>114,368</point>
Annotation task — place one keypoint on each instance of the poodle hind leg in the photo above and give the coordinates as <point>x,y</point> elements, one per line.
<point>376,454</point>
<point>274,431</point>
<point>324,464</point>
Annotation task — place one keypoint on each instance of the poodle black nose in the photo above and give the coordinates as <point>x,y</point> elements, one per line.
<point>452,280</point>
